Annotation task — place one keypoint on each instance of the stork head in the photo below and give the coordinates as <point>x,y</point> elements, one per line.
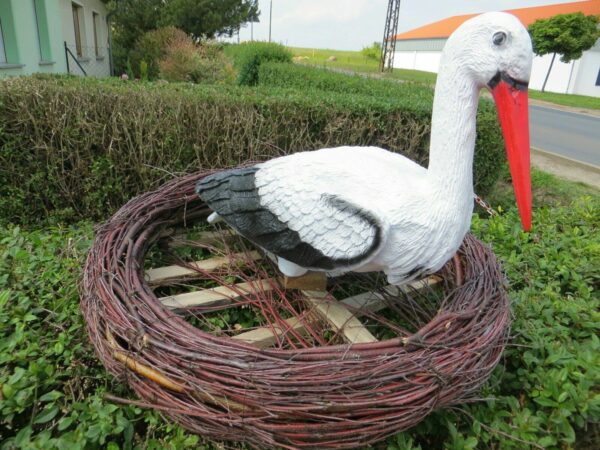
<point>495,50</point>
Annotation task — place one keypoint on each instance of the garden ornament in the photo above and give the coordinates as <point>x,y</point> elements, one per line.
<point>366,209</point>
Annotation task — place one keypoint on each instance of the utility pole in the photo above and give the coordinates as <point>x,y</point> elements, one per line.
<point>388,47</point>
<point>251,31</point>
<point>270,18</point>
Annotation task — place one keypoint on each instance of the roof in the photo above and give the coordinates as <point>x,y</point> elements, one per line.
<point>444,28</point>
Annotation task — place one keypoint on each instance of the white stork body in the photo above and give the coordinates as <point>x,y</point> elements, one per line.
<point>394,189</point>
<point>364,208</point>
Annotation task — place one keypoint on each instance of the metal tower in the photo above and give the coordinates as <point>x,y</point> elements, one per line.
<point>388,46</point>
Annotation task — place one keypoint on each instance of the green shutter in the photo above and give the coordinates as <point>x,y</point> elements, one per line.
<point>41,18</point>
<point>8,32</point>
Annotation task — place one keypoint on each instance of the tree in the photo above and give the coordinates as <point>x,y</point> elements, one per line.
<point>568,35</point>
<point>132,19</point>
<point>209,18</point>
<point>372,52</point>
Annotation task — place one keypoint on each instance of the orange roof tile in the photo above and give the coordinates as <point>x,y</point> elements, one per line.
<point>444,28</point>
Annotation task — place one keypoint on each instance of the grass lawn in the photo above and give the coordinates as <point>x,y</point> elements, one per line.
<point>576,101</point>
<point>355,61</point>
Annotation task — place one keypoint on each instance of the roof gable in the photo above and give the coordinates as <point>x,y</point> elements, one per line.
<point>444,28</point>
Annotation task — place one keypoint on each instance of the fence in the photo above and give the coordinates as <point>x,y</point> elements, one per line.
<point>87,61</point>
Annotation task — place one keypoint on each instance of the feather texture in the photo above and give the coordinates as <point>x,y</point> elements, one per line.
<point>296,232</point>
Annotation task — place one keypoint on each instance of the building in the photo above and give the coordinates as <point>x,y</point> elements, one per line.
<point>421,48</point>
<point>54,36</point>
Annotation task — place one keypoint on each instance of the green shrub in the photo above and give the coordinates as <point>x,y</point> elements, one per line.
<point>372,52</point>
<point>51,383</point>
<point>249,56</point>
<point>548,388</point>
<point>180,61</point>
<point>186,61</point>
<point>151,47</point>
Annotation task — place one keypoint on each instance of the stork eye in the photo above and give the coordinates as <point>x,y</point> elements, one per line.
<point>499,38</point>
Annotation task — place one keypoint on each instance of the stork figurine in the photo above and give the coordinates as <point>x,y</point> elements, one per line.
<point>365,209</point>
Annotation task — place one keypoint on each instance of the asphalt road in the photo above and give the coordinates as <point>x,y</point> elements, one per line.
<point>573,135</point>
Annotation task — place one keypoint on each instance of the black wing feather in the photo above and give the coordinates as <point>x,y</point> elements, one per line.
<point>233,195</point>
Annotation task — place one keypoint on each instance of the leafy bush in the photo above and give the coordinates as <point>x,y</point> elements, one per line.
<point>151,47</point>
<point>51,383</point>
<point>548,387</point>
<point>249,56</point>
<point>186,61</point>
<point>372,52</point>
<point>79,148</point>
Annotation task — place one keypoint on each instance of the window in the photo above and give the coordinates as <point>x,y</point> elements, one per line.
<point>77,16</point>
<point>43,35</point>
<point>598,78</point>
<point>2,51</point>
<point>96,18</point>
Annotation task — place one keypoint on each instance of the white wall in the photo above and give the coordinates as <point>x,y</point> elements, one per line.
<point>418,60</point>
<point>586,74</point>
<point>405,60</point>
<point>94,66</point>
<point>428,61</point>
<point>559,76</point>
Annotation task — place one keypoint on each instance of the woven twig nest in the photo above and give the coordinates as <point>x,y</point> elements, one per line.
<point>312,371</point>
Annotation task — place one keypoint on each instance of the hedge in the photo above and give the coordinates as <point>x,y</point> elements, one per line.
<point>310,78</point>
<point>249,56</point>
<point>76,148</point>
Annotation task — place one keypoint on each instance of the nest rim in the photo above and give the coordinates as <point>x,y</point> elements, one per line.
<point>389,385</point>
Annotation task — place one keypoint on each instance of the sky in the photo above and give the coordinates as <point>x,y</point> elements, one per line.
<point>354,24</point>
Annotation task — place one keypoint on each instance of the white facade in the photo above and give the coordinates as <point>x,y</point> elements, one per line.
<point>428,61</point>
<point>86,36</point>
<point>586,74</point>
<point>577,77</point>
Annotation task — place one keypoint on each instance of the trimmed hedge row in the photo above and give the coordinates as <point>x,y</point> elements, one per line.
<point>307,77</point>
<point>249,56</point>
<point>74,148</point>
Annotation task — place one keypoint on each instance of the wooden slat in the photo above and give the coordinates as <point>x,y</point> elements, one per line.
<point>264,337</point>
<point>167,274</point>
<point>214,296</point>
<point>339,317</point>
<point>374,301</point>
<point>367,301</point>
<point>311,281</point>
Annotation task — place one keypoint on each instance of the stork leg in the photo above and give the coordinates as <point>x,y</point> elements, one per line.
<point>290,269</point>
<point>214,218</point>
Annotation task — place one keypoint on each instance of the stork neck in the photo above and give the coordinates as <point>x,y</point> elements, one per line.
<point>453,132</point>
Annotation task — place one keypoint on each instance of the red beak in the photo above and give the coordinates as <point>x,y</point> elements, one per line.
<point>511,100</point>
